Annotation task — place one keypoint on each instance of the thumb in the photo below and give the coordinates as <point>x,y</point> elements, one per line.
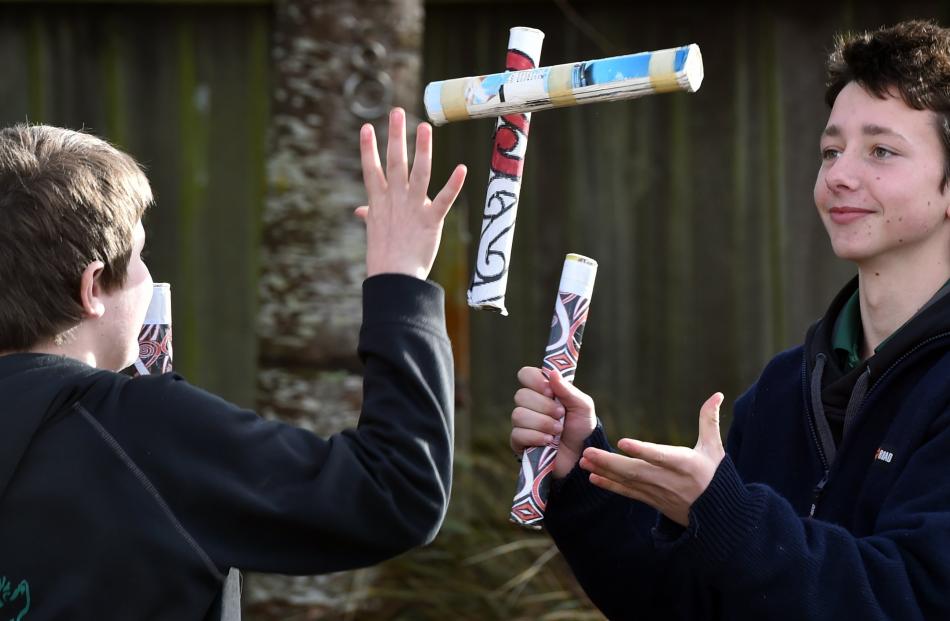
<point>709,435</point>
<point>569,395</point>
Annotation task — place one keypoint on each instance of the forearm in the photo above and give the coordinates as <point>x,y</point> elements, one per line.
<point>606,539</point>
<point>268,496</point>
<point>408,389</point>
<point>747,542</point>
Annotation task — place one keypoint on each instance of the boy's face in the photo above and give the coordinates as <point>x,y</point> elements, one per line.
<point>125,309</point>
<point>878,190</point>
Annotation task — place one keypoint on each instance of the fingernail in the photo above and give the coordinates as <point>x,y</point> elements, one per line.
<point>558,427</point>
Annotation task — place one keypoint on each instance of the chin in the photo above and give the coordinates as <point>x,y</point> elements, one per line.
<point>849,251</point>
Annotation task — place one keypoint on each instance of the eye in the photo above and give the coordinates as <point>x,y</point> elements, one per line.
<point>881,153</point>
<point>829,153</point>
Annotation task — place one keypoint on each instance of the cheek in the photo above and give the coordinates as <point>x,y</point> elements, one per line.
<point>820,191</point>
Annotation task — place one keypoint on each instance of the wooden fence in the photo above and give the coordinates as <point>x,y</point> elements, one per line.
<point>184,88</point>
<point>698,207</point>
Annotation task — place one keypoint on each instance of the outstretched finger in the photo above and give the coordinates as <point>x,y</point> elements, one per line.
<point>661,455</point>
<point>397,166</point>
<point>373,177</point>
<point>634,492</point>
<point>447,195</point>
<point>422,163</point>
<point>623,470</point>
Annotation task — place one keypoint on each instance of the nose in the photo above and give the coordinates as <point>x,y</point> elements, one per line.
<point>842,173</point>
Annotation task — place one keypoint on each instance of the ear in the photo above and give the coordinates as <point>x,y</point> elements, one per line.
<point>90,291</point>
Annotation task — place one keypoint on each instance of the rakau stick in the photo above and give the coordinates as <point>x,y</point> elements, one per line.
<point>605,79</point>
<point>509,145</point>
<point>155,339</point>
<point>561,354</point>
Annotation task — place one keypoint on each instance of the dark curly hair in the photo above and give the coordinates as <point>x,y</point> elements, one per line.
<point>912,57</point>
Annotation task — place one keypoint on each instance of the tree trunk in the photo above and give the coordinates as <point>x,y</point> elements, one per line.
<point>336,65</point>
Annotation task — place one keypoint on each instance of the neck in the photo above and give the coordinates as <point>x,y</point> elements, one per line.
<point>892,294</point>
<point>72,344</point>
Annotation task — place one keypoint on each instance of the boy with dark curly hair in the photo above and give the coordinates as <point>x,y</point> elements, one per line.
<point>829,500</point>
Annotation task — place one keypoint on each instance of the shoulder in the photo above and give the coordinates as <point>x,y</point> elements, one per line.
<point>125,403</point>
<point>783,372</point>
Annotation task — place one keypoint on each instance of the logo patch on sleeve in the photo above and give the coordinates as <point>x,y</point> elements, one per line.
<point>882,455</point>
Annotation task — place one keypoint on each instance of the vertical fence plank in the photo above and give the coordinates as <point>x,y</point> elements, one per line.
<point>145,78</point>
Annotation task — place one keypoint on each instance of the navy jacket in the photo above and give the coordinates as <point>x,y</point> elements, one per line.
<point>781,533</point>
<point>130,498</point>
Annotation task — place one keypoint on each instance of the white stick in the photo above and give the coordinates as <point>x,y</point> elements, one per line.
<point>509,144</point>
<point>605,79</point>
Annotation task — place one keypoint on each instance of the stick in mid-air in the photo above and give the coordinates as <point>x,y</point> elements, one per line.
<point>605,79</point>
<point>509,145</point>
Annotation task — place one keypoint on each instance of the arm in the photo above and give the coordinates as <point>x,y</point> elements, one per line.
<point>605,538</point>
<point>267,496</point>
<point>747,550</point>
<point>756,544</point>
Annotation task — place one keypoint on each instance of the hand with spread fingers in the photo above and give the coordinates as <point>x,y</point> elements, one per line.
<point>403,226</point>
<point>668,478</point>
<point>546,407</point>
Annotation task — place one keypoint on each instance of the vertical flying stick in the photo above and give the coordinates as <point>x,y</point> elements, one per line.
<point>155,339</point>
<point>490,280</point>
<point>561,353</point>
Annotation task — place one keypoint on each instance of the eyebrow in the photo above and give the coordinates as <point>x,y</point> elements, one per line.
<point>868,130</point>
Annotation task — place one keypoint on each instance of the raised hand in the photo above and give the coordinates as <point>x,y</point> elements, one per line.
<point>403,226</point>
<point>668,478</point>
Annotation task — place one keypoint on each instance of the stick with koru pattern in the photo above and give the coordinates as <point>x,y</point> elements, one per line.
<point>561,353</point>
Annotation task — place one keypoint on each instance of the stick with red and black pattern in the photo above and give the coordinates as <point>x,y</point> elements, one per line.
<point>509,145</point>
<point>155,339</point>
<point>561,354</point>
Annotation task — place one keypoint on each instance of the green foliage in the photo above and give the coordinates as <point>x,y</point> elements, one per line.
<point>481,566</point>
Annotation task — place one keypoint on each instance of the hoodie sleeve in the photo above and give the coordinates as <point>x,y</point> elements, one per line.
<point>768,562</point>
<point>619,549</point>
<point>605,538</point>
<point>266,496</point>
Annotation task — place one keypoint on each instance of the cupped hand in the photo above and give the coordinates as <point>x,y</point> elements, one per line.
<point>668,478</point>
<point>403,226</point>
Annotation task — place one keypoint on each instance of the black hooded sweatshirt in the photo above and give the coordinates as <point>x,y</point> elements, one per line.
<point>130,498</point>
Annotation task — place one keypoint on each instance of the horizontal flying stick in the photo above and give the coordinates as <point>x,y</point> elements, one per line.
<point>606,79</point>
<point>509,145</point>
<point>561,354</point>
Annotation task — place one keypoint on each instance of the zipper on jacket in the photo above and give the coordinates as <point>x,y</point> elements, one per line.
<point>816,494</point>
<point>814,432</point>
<point>820,487</point>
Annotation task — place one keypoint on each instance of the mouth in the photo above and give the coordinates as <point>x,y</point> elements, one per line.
<point>846,215</point>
